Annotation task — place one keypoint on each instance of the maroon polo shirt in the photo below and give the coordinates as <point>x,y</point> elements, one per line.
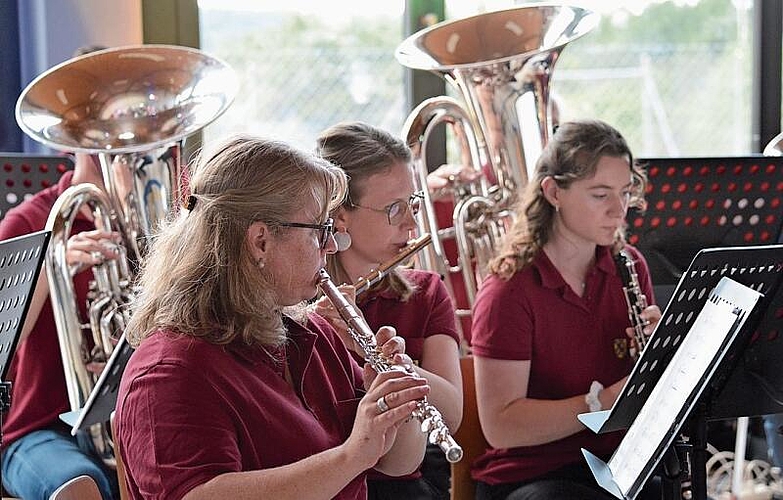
<point>189,410</point>
<point>38,391</point>
<point>569,340</point>
<point>427,312</point>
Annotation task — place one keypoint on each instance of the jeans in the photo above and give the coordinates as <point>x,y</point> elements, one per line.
<point>35,465</point>
<point>773,429</point>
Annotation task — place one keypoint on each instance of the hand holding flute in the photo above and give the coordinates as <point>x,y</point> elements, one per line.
<point>429,417</point>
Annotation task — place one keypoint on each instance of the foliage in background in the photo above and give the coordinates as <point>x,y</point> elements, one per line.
<point>676,80</point>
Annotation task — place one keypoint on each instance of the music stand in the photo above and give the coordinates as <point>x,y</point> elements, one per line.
<point>702,202</point>
<point>23,175</point>
<point>758,267</point>
<point>103,398</point>
<point>21,259</point>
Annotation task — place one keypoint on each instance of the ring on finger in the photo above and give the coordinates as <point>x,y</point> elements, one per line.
<point>382,405</point>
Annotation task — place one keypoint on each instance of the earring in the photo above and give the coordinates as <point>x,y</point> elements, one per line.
<point>343,240</point>
<point>557,208</point>
<point>260,263</point>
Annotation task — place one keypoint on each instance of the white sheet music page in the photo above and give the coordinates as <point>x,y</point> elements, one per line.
<point>684,378</point>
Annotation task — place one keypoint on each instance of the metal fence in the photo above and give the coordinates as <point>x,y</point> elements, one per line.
<point>667,100</point>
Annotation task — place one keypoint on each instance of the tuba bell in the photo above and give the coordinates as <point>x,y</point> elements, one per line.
<point>501,64</point>
<point>133,107</point>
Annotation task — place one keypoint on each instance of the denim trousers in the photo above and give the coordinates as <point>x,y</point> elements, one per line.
<point>35,465</point>
<point>773,430</point>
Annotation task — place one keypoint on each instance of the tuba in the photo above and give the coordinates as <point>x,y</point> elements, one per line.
<point>501,63</point>
<point>132,107</point>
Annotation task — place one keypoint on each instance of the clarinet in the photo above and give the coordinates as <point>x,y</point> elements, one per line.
<point>429,417</point>
<point>634,298</point>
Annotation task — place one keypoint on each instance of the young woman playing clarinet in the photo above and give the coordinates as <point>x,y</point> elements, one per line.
<point>550,333</point>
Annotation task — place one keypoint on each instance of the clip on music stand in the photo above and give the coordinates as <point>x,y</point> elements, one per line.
<point>103,398</point>
<point>739,371</point>
<point>21,259</point>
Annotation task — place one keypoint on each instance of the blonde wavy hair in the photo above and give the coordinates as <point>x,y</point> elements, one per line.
<point>362,150</point>
<point>572,154</point>
<point>199,278</point>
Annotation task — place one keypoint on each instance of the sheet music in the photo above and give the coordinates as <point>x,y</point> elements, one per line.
<point>692,365</point>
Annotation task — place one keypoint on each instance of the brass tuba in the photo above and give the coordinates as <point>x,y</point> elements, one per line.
<point>501,63</point>
<point>132,107</point>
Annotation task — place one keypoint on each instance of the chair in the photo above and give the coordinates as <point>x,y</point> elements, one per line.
<point>121,480</point>
<point>78,488</point>
<point>469,436</point>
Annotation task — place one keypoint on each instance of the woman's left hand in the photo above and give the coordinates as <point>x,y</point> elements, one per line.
<point>324,308</point>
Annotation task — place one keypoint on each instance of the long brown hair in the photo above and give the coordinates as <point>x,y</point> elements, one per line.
<point>362,150</point>
<point>572,154</point>
<point>199,278</point>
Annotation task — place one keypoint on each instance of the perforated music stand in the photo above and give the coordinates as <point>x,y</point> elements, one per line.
<point>21,259</point>
<point>696,203</point>
<point>103,398</point>
<point>23,175</point>
<point>757,267</point>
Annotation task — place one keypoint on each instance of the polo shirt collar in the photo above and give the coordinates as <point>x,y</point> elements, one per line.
<point>551,278</point>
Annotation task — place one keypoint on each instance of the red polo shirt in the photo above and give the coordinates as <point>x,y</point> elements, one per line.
<point>570,341</point>
<point>38,390</point>
<point>188,410</point>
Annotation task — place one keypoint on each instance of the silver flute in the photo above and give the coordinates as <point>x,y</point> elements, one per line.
<point>429,417</point>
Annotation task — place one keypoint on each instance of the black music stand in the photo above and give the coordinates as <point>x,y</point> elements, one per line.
<point>103,398</point>
<point>696,203</point>
<point>742,370</point>
<point>21,259</point>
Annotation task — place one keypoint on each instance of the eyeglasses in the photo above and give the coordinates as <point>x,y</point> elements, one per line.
<point>327,229</point>
<point>396,211</point>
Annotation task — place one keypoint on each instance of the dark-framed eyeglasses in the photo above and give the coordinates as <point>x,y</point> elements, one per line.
<point>326,229</point>
<point>396,211</point>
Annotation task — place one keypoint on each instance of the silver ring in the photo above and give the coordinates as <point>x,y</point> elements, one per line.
<point>382,405</point>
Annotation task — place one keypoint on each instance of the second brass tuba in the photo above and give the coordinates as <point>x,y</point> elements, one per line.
<point>132,107</point>
<point>501,64</point>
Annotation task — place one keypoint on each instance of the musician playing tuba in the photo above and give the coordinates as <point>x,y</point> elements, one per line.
<point>129,109</point>
<point>551,325</point>
<point>378,218</point>
<point>39,453</point>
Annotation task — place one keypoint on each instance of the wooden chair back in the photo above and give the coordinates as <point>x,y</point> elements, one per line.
<point>469,436</point>
<point>121,479</point>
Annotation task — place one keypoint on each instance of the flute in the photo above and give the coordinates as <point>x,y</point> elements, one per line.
<point>428,416</point>
<point>376,275</point>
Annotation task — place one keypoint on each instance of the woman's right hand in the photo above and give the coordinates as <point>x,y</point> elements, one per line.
<point>375,427</point>
<point>89,248</point>
<point>608,395</point>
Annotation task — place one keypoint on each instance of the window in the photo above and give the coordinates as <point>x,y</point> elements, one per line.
<point>674,76</point>
<point>305,65</point>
